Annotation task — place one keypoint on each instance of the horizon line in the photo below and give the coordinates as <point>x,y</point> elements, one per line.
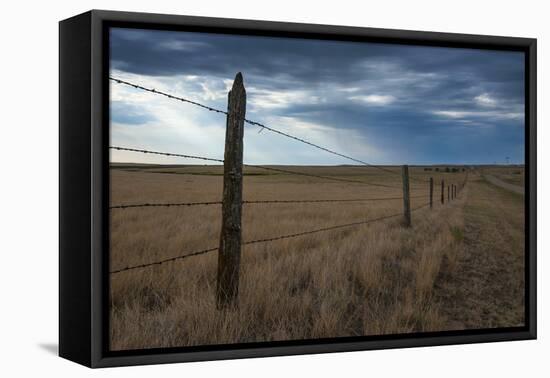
<point>337,165</point>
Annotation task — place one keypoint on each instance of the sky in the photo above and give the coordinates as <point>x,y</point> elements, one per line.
<point>380,103</point>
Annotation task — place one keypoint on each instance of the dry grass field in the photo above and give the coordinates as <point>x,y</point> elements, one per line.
<point>510,174</point>
<point>459,266</point>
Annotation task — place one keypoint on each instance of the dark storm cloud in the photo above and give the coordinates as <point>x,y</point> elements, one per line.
<point>168,53</point>
<point>399,93</point>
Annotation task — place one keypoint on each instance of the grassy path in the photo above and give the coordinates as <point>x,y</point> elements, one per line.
<point>519,189</point>
<point>485,287</point>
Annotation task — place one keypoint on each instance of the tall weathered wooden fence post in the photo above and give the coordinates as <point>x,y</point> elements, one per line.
<point>448,193</point>
<point>229,254</point>
<point>431,192</point>
<point>442,191</point>
<point>406,196</point>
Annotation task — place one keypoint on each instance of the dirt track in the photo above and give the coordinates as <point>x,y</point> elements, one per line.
<point>484,288</point>
<point>505,185</point>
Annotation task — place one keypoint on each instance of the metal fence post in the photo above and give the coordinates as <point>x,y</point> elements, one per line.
<point>229,254</point>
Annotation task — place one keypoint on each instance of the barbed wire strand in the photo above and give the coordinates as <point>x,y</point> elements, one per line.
<point>259,124</point>
<point>152,90</point>
<point>175,204</point>
<point>328,150</point>
<point>321,176</point>
<point>148,170</point>
<point>330,228</point>
<point>282,171</point>
<point>165,153</point>
<point>188,204</point>
<point>250,165</point>
<point>197,253</point>
<point>256,241</point>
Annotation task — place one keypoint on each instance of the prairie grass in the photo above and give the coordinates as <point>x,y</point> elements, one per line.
<point>510,174</point>
<point>487,287</point>
<point>373,279</point>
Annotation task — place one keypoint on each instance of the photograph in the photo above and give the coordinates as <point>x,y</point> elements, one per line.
<point>279,189</point>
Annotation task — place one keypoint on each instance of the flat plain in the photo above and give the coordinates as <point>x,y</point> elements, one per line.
<point>460,265</point>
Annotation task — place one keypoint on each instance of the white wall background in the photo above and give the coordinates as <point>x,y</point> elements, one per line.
<point>28,207</point>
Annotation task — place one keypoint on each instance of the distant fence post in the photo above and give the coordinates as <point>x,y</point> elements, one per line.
<point>229,254</point>
<point>448,193</point>
<point>442,191</point>
<point>406,196</point>
<point>431,192</point>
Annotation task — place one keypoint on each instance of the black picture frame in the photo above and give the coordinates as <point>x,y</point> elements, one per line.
<point>84,189</point>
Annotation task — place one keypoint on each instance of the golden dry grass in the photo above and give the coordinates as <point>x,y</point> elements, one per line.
<point>510,174</point>
<point>373,279</point>
<point>487,290</point>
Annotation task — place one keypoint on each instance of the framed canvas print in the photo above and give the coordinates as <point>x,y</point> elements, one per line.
<point>233,188</point>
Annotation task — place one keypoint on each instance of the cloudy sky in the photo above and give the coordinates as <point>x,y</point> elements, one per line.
<point>381,103</point>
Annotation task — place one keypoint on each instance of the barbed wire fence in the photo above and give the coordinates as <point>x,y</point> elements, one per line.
<point>230,246</point>
<point>255,123</point>
<point>265,240</point>
<point>187,204</point>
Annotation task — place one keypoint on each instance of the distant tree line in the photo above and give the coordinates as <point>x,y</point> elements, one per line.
<point>446,169</point>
